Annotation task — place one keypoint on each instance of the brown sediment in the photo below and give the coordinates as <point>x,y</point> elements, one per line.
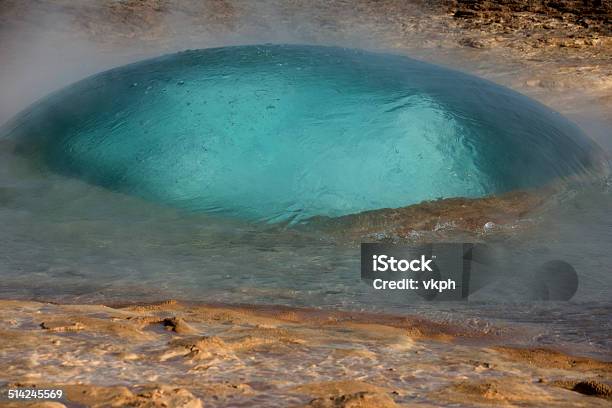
<point>560,49</point>
<point>509,391</point>
<point>149,307</point>
<point>587,387</point>
<point>412,326</point>
<point>265,314</point>
<point>338,388</point>
<point>76,323</point>
<point>583,21</point>
<point>361,399</point>
<point>150,396</point>
<point>34,404</point>
<point>547,358</point>
<point>178,325</point>
<point>502,391</point>
<point>445,217</point>
<point>135,356</point>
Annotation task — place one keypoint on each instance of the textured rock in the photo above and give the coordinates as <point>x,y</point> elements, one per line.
<point>357,400</point>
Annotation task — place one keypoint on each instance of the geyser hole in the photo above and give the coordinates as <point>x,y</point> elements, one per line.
<point>281,132</point>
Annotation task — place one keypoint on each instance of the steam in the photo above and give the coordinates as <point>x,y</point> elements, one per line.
<point>48,45</point>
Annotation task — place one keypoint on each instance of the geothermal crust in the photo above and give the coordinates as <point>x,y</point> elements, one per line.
<point>192,355</point>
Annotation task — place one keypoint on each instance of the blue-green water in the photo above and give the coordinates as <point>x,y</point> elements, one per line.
<point>280,133</point>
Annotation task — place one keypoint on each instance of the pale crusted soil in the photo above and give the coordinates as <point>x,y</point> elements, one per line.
<point>188,355</point>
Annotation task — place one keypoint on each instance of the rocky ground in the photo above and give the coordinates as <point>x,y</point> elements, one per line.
<point>185,355</point>
<point>562,49</point>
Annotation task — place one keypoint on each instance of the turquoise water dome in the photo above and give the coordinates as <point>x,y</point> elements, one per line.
<point>286,132</point>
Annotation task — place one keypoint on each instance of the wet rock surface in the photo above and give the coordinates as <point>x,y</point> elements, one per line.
<point>271,356</point>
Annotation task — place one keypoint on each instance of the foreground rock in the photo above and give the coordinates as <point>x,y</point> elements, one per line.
<point>191,355</point>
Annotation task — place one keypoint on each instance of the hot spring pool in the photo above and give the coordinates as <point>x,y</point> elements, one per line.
<point>95,180</point>
<point>284,133</point>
